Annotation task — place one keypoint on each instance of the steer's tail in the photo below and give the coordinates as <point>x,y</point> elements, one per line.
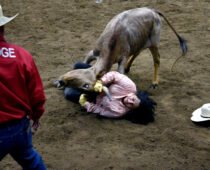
<point>182,41</point>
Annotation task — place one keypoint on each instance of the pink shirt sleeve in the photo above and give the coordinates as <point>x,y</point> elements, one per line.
<point>106,112</point>
<point>91,107</point>
<point>110,77</point>
<point>119,86</point>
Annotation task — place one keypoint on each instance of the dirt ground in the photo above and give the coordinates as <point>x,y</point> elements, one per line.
<point>60,32</point>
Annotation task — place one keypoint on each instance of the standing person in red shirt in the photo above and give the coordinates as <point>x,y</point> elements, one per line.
<point>21,98</point>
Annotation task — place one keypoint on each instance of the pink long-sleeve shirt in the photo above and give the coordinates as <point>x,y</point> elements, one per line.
<point>119,87</point>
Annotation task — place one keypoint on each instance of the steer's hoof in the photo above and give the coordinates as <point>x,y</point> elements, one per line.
<point>58,84</point>
<point>154,86</point>
<point>127,70</point>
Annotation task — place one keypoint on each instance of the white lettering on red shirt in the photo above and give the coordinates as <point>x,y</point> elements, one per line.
<point>7,52</point>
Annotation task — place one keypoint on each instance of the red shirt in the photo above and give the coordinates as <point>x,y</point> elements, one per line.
<point>21,89</point>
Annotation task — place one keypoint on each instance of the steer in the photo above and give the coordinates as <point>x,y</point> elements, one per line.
<point>124,37</point>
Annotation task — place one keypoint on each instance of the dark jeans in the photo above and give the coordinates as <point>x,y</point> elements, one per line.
<point>73,94</point>
<point>16,140</point>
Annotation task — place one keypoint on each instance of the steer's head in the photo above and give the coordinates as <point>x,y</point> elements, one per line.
<point>82,79</point>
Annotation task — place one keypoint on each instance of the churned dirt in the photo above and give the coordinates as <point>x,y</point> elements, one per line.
<point>60,32</point>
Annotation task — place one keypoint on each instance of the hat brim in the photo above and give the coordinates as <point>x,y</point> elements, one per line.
<point>4,20</point>
<point>196,116</point>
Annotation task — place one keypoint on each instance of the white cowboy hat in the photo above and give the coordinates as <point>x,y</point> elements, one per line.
<point>201,114</point>
<point>3,19</point>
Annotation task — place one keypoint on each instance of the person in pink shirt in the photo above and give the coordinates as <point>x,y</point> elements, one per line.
<point>126,102</point>
<point>123,101</point>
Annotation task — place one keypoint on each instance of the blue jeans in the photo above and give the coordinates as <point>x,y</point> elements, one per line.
<point>17,141</point>
<point>73,94</point>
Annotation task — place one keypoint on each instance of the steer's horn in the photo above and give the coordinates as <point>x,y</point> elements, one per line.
<point>106,90</point>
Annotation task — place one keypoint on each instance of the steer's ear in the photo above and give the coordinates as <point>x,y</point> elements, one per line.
<point>72,79</point>
<point>100,74</point>
<point>67,79</point>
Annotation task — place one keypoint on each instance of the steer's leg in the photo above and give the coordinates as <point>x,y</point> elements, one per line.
<point>90,57</point>
<point>129,62</point>
<point>121,65</point>
<point>156,58</point>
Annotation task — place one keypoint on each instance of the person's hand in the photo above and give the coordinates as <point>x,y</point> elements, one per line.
<point>82,99</point>
<point>98,86</point>
<point>35,125</point>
